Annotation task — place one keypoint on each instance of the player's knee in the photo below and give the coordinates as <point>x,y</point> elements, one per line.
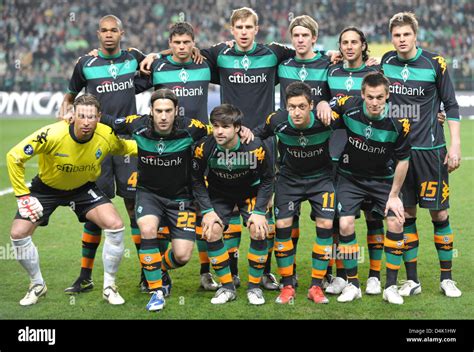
<point>282,223</point>
<point>439,215</point>
<point>17,233</point>
<point>346,226</point>
<point>183,257</point>
<point>393,225</point>
<point>114,223</point>
<point>324,223</point>
<point>216,232</point>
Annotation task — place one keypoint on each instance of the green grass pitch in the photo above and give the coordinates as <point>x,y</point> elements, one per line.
<point>59,246</point>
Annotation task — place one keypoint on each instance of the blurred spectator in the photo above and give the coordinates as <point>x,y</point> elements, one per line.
<point>40,41</point>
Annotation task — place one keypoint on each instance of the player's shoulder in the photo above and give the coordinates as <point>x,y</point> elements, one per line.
<point>334,69</point>
<point>389,57</point>
<point>104,131</point>
<point>276,117</point>
<point>54,131</point>
<point>437,60</point>
<point>134,52</point>
<point>204,146</point>
<point>346,102</point>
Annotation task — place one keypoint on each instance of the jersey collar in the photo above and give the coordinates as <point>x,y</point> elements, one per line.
<point>236,147</point>
<point>170,59</point>
<point>418,54</point>
<point>238,51</point>
<point>381,117</point>
<point>356,69</point>
<point>73,136</point>
<point>317,57</point>
<point>311,122</point>
<point>104,56</point>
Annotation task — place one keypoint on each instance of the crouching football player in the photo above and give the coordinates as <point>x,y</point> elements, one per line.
<point>238,175</point>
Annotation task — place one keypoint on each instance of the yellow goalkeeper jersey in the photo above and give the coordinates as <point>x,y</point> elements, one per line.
<point>64,162</point>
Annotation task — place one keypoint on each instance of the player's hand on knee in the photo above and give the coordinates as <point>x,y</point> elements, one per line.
<point>208,221</point>
<point>261,225</point>
<point>30,207</point>
<point>395,204</point>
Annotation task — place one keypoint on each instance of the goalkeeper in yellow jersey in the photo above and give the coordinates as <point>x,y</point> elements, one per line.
<point>70,156</point>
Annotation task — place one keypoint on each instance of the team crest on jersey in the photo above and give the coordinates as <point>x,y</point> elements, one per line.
<point>405,73</point>
<point>113,71</point>
<point>183,75</point>
<point>303,141</point>
<point>368,132</point>
<point>245,62</point>
<point>160,147</point>
<point>303,74</point>
<point>98,153</point>
<point>349,83</point>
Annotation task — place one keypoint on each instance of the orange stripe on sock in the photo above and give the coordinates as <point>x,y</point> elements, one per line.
<point>332,261</point>
<point>220,259</point>
<point>136,239</point>
<point>153,285</point>
<point>295,233</point>
<point>225,279</point>
<point>323,250</point>
<point>375,265</point>
<point>233,228</point>
<point>90,238</point>
<point>375,239</point>
<point>318,274</point>
<point>257,258</point>
<point>254,280</point>
<point>283,246</point>
<point>150,258</point>
<point>339,264</point>
<point>87,263</point>
<point>410,237</point>
<point>287,271</point>
<point>164,230</point>
<point>393,267</point>
<point>203,258</point>
<point>441,239</point>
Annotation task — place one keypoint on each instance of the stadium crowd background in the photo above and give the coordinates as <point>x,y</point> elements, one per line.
<point>41,40</point>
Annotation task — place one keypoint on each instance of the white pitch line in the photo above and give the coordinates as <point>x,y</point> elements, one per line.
<point>9,190</point>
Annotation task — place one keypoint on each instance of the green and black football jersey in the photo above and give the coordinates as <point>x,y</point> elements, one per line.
<point>302,152</point>
<point>374,145</point>
<point>345,81</point>
<point>164,161</point>
<point>248,79</point>
<point>421,84</point>
<point>232,171</point>
<point>189,81</point>
<point>110,79</point>
<point>313,72</point>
